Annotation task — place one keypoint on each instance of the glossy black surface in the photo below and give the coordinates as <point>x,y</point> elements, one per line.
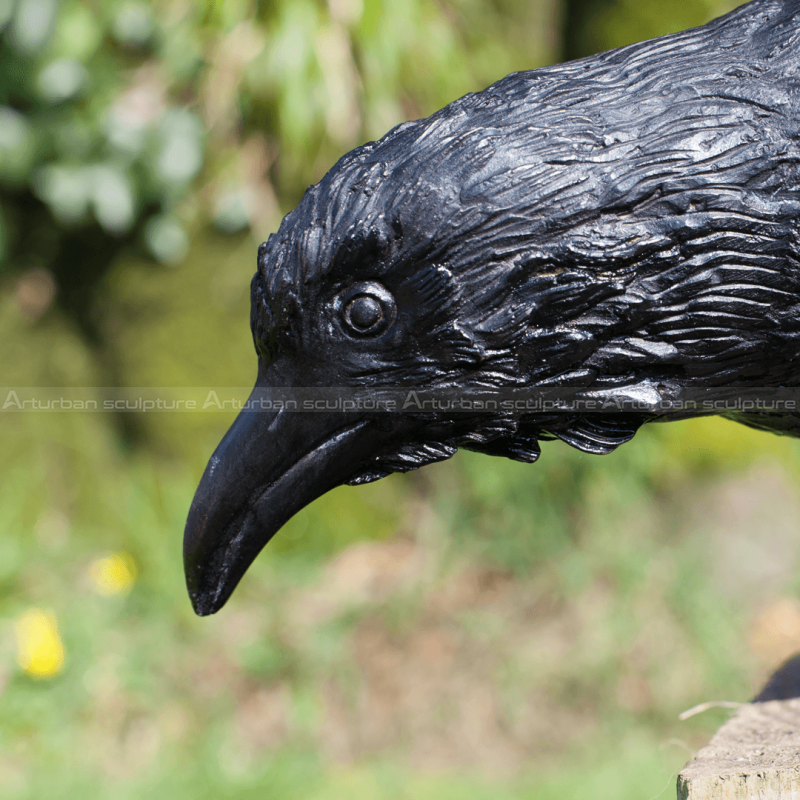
<point>628,223</point>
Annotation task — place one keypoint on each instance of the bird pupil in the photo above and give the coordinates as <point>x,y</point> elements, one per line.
<point>365,312</point>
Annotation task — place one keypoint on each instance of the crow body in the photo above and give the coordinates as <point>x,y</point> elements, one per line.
<point>628,223</point>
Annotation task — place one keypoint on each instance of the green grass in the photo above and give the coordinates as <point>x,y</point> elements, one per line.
<point>593,618</point>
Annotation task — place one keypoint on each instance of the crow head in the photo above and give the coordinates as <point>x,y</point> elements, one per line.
<point>620,223</point>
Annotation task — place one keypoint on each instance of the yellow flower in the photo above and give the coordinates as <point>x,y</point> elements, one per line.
<point>40,651</point>
<point>113,574</point>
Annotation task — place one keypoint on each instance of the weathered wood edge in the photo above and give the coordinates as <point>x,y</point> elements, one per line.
<point>753,756</point>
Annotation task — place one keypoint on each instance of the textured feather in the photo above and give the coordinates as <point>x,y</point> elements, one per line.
<point>630,217</point>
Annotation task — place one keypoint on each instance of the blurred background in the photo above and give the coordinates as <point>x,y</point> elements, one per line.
<point>481,629</point>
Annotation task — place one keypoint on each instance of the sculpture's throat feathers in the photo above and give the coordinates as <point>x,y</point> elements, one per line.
<point>631,218</point>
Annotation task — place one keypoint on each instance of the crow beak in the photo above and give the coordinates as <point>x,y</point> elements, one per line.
<point>268,467</point>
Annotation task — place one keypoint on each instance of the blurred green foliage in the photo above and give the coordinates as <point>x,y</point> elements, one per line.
<point>145,150</point>
<point>126,127</point>
<point>594,25</point>
<point>93,156</point>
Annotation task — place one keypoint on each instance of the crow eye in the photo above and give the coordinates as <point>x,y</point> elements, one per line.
<point>364,313</point>
<point>365,309</point>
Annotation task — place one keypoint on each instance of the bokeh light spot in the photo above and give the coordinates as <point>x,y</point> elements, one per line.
<point>112,199</point>
<point>35,292</point>
<point>113,574</point>
<point>33,24</point>
<point>166,240</point>
<point>133,24</point>
<point>40,651</point>
<point>61,80</point>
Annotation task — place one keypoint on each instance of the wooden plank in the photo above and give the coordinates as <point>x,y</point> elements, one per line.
<point>753,756</point>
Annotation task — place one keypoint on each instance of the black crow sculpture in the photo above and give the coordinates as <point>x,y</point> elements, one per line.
<point>627,224</point>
